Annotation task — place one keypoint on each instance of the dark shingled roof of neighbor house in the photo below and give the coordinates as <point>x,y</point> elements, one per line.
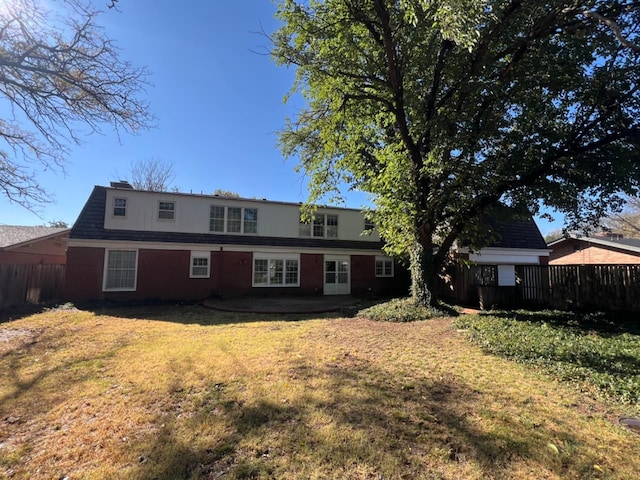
<point>11,235</point>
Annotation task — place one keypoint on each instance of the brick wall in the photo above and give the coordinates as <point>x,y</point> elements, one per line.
<point>364,280</point>
<point>312,277</point>
<point>83,280</point>
<point>579,252</point>
<point>164,275</point>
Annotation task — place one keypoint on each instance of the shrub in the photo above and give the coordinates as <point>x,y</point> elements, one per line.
<point>401,310</point>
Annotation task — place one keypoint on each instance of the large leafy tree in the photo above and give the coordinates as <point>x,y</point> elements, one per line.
<point>446,110</point>
<point>60,78</point>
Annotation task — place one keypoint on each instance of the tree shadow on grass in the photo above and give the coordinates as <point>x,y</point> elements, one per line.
<point>363,422</point>
<point>50,384</point>
<point>602,323</point>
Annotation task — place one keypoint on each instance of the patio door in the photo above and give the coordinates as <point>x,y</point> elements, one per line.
<point>337,276</point>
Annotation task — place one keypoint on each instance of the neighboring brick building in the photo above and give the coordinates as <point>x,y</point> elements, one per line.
<point>21,245</point>
<point>611,250</point>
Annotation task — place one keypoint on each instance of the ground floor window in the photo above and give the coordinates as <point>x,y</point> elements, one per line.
<point>120,270</point>
<point>384,267</point>
<point>276,270</point>
<point>200,265</point>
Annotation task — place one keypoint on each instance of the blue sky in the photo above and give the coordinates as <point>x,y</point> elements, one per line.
<point>217,102</point>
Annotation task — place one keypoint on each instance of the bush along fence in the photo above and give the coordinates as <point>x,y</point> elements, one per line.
<point>24,284</point>
<point>592,287</point>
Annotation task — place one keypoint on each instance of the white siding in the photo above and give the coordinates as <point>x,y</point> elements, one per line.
<point>192,215</point>
<point>506,256</point>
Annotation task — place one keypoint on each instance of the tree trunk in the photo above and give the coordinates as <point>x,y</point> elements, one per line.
<point>424,275</point>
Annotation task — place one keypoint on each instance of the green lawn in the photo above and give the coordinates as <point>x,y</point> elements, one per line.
<point>185,392</point>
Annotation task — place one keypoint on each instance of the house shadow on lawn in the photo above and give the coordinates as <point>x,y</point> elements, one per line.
<point>8,314</point>
<point>257,310</point>
<point>356,421</point>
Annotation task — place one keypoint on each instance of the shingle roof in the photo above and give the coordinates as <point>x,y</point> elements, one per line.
<point>16,234</point>
<point>628,244</point>
<point>505,228</point>
<point>517,233</point>
<point>90,226</point>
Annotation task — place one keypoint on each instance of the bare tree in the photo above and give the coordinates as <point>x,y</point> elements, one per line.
<point>152,174</point>
<point>225,193</point>
<point>626,222</point>
<point>60,76</point>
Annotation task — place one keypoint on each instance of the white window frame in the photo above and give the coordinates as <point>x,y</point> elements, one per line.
<point>245,221</point>
<point>271,259</point>
<point>173,211</point>
<point>105,275</point>
<point>113,211</point>
<point>200,255</point>
<point>308,229</point>
<point>225,219</point>
<point>385,261</point>
<point>331,231</point>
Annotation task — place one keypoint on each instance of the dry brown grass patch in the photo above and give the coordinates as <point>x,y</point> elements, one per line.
<point>191,393</point>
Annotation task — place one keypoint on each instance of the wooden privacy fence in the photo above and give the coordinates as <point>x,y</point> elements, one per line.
<point>597,287</point>
<point>22,284</point>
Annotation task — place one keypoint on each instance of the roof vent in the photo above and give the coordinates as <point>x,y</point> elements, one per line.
<point>121,184</point>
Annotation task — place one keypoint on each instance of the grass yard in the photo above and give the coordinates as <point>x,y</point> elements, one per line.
<point>185,392</point>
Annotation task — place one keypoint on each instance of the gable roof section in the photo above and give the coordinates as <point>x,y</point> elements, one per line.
<point>631,245</point>
<point>12,236</point>
<point>90,226</point>
<point>517,233</point>
<point>507,229</point>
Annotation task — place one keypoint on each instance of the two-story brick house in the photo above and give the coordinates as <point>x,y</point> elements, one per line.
<point>136,245</point>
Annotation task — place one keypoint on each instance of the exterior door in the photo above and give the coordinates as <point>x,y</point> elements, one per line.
<point>337,276</point>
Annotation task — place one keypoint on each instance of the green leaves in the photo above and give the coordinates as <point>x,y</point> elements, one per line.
<point>574,348</point>
<point>444,109</point>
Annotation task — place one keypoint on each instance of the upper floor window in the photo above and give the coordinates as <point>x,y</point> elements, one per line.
<point>250,220</point>
<point>216,219</point>
<point>369,225</point>
<point>233,220</point>
<point>119,207</point>
<point>166,210</point>
<point>322,226</point>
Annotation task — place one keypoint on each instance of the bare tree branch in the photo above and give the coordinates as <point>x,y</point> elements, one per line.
<point>152,174</point>
<point>60,75</point>
<point>617,31</point>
